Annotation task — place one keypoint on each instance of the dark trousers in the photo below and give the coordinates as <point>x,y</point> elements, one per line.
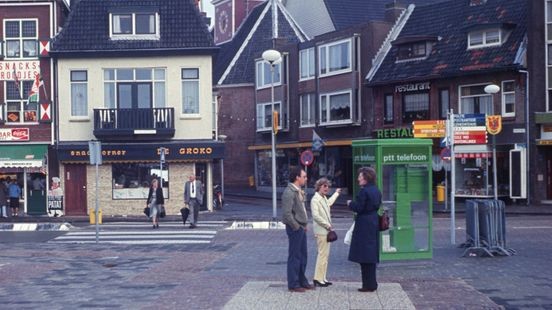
<point>297,258</point>
<point>194,209</point>
<point>369,276</point>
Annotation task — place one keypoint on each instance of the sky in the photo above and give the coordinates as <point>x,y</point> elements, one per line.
<point>208,7</point>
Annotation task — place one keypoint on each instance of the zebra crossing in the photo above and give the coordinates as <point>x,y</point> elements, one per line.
<point>142,233</point>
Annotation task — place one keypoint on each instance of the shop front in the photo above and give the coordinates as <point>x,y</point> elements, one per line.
<point>26,166</point>
<point>127,171</point>
<point>332,162</point>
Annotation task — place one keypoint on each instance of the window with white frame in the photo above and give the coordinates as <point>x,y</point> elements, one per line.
<point>485,38</point>
<point>412,50</point>
<point>508,99</point>
<point>143,25</point>
<point>444,103</point>
<point>21,38</point>
<point>306,63</point>
<point>548,20</point>
<point>79,93</point>
<point>264,74</point>
<point>335,57</point>
<point>264,115</point>
<point>388,106</point>
<point>474,99</point>
<point>134,88</point>
<point>336,108</point>
<point>308,110</point>
<point>190,91</point>
<point>18,109</point>
<point>415,107</point>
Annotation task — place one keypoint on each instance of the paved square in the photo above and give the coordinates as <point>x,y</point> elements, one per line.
<point>341,295</point>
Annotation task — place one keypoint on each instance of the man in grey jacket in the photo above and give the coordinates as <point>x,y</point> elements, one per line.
<point>295,219</point>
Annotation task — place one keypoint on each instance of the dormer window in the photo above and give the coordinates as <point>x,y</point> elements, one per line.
<point>129,26</point>
<point>412,50</point>
<point>485,38</point>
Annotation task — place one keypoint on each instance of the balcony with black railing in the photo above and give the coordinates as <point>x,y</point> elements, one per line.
<point>117,124</point>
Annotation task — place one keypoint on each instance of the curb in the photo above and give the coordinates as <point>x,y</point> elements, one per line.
<point>36,227</point>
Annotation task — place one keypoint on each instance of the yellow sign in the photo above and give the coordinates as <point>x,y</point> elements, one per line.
<point>494,124</point>
<point>429,129</point>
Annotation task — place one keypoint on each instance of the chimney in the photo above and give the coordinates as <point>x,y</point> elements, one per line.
<point>393,10</point>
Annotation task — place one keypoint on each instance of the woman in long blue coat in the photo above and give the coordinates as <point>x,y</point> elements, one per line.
<point>365,240</point>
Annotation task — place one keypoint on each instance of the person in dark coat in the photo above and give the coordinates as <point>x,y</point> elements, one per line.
<point>365,240</point>
<point>155,201</point>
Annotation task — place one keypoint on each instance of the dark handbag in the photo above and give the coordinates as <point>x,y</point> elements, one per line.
<point>184,212</point>
<point>332,236</point>
<point>383,221</point>
<point>162,212</point>
<point>147,211</point>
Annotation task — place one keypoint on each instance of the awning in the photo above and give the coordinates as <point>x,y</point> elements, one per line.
<point>22,156</point>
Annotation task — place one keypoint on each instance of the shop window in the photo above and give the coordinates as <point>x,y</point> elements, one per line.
<point>190,91</point>
<point>415,107</point>
<point>335,58</point>
<point>133,180</point>
<point>474,100</point>
<point>79,93</point>
<point>508,99</point>
<point>388,113</point>
<point>21,39</point>
<point>474,175</point>
<point>18,109</point>
<point>308,109</point>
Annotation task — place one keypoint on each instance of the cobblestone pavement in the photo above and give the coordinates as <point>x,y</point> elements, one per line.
<point>228,271</point>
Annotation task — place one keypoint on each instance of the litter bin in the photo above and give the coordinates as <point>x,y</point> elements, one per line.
<point>251,180</point>
<point>92,215</point>
<point>440,193</point>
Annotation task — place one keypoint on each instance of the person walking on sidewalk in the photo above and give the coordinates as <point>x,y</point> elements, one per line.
<point>14,192</point>
<point>193,197</point>
<point>322,224</point>
<point>295,219</point>
<point>155,201</point>
<point>365,240</point>
<point>3,199</point>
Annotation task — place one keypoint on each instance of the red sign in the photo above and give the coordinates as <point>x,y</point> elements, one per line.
<point>307,158</point>
<point>14,134</point>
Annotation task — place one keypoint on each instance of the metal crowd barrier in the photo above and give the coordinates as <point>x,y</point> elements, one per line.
<point>486,228</point>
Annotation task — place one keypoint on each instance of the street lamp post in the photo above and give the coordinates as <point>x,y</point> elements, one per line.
<point>493,89</point>
<point>273,57</point>
<point>222,138</point>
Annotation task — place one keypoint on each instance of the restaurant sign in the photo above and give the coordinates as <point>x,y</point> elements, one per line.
<point>412,87</point>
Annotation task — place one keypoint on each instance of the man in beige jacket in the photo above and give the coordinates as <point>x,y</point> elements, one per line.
<point>322,224</point>
<point>295,218</point>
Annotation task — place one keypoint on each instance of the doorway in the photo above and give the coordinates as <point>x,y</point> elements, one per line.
<point>75,190</point>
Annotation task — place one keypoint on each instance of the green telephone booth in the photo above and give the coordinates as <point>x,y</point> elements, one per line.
<point>404,176</point>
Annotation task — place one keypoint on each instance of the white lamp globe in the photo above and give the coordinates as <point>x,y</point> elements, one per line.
<point>272,56</point>
<point>492,89</point>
